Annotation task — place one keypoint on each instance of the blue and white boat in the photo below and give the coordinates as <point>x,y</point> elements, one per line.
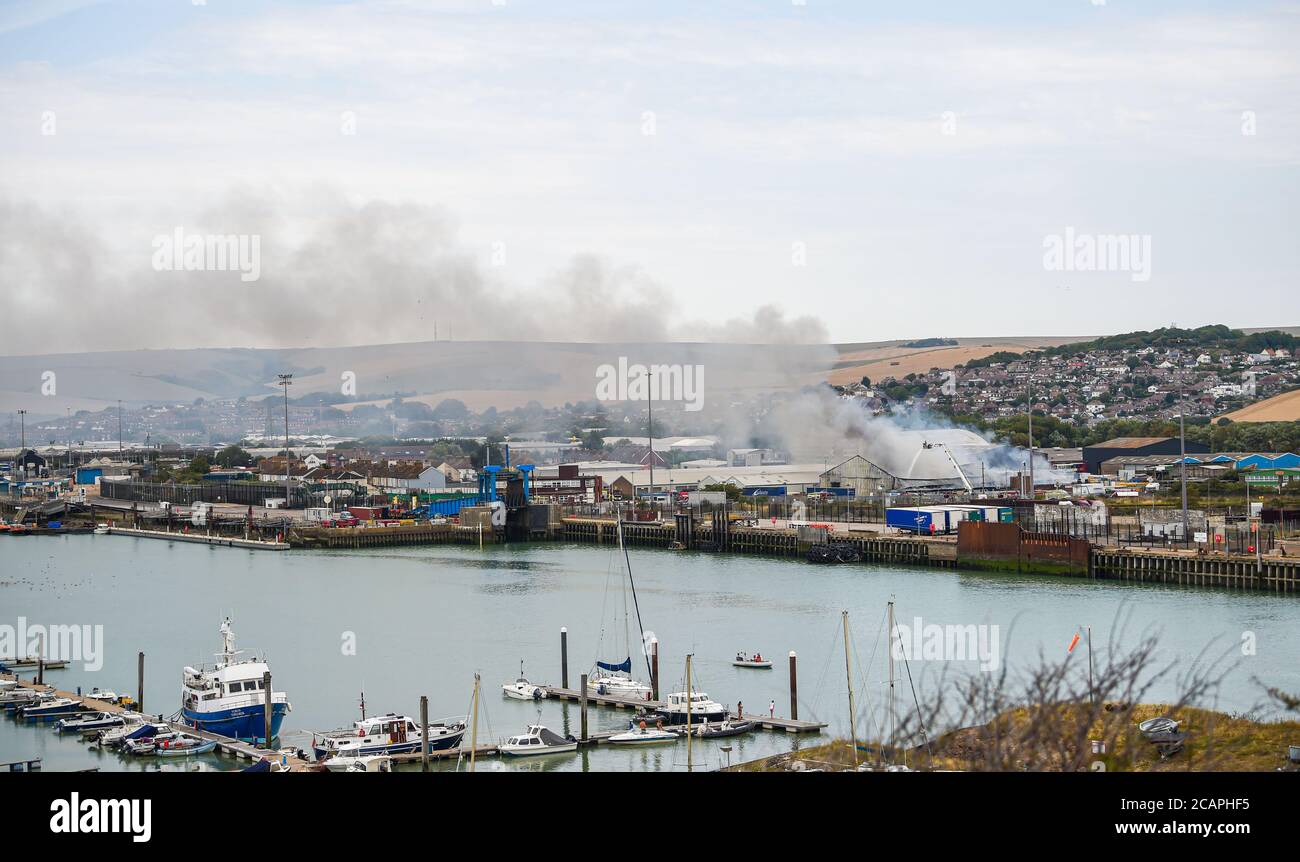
<point>52,708</point>
<point>230,698</point>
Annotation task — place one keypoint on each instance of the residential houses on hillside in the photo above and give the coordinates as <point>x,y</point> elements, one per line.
<point>1145,382</point>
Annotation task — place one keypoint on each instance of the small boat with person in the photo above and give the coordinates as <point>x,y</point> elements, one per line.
<point>640,734</point>
<point>522,689</point>
<point>755,661</point>
<point>718,731</point>
<point>538,740</point>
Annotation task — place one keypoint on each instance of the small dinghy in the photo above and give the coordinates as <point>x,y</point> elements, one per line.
<point>756,660</point>
<point>522,689</point>
<point>538,740</point>
<point>726,728</point>
<point>142,746</point>
<point>362,763</point>
<point>181,745</point>
<point>642,735</point>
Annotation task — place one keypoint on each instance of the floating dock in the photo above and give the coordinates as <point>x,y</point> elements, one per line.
<point>789,725</point>
<point>201,539</point>
<point>225,745</point>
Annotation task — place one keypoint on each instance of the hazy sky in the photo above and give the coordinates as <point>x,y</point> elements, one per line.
<point>604,170</point>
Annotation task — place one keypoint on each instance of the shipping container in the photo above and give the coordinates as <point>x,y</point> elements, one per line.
<point>916,520</point>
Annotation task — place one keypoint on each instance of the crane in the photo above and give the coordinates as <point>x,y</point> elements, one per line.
<point>925,444</point>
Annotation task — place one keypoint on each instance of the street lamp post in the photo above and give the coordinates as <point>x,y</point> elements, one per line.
<point>22,439</point>
<point>286,380</point>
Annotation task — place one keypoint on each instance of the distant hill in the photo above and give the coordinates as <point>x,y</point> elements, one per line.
<point>480,373</point>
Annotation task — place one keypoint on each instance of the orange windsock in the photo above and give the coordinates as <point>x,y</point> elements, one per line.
<point>1074,641</point>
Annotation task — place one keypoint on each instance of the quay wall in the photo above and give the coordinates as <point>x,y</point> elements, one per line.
<point>979,546</point>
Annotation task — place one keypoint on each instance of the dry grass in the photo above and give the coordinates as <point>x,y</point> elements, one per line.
<point>1216,742</point>
<point>1279,408</point>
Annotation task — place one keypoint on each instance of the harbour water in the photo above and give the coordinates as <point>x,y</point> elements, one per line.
<point>401,623</point>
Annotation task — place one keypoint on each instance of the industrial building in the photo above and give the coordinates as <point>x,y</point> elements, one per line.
<point>933,459</point>
<point>1121,446</point>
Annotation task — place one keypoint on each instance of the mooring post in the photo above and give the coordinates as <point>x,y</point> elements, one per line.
<point>266,689</point>
<point>794,689</point>
<point>424,733</point>
<point>654,668</point>
<point>582,699</point>
<point>564,657</point>
<point>139,683</point>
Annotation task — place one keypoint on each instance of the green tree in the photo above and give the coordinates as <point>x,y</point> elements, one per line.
<point>233,456</point>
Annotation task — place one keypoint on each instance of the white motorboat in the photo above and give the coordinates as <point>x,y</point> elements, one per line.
<point>360,763</point>
<point>89,721</point>
<point>642,735</point>
<point>702,709</point>
<point>101,529</point>
<point>755,661</point>
<point>537,740</point>
<point>522,689</point>
<point>116,736</point>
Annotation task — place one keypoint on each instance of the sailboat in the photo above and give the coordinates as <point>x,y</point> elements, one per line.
<point>888,747</point>
<point>615,678</point>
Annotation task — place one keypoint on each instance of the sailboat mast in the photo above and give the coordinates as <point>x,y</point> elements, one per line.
<point>848,675</point>
<point>628,560</point>
<point>689,761</point>
<point>473,736</point>
<point>890,653</point>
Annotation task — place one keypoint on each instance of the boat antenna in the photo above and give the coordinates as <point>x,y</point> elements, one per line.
<point>635,605</point>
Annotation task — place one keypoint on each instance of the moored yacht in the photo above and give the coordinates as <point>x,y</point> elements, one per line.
<point>89,721</point>
<point>386,734</point>
<point>230,698</point>
<point>522,689</point>
<point>54,707</point>
<point>702,709</point>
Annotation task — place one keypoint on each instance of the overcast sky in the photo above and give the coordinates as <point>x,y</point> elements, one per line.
<point>859,170</point>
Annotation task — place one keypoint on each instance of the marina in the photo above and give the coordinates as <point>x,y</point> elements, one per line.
<point>703,604</point>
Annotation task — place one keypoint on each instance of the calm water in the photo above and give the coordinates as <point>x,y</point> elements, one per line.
<point>425,619</point>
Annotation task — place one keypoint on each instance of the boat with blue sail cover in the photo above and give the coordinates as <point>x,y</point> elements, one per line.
<point>230,698</point>
<point>615,678</point>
